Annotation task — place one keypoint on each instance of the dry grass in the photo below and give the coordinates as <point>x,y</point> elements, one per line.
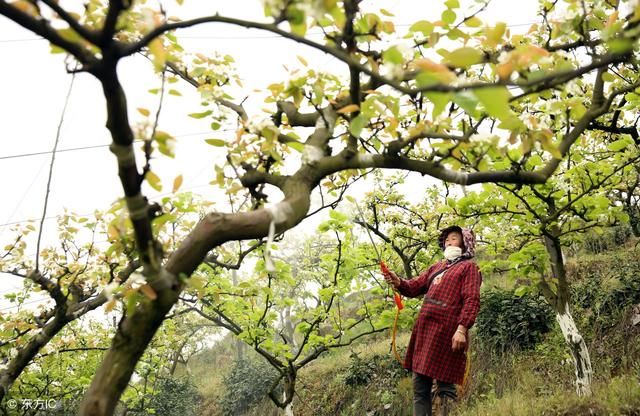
<point>618,396</point>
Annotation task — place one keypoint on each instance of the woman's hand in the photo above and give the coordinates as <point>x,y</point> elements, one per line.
<point>392,279</point>
<point>459,340</point>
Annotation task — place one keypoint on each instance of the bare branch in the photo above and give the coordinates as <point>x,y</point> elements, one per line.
<point>182,73</point>
<point>53,158</point>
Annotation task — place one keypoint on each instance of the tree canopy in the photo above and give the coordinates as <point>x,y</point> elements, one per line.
<point>451,97</point>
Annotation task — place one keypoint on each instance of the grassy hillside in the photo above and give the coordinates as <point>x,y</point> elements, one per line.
<point>366,380</point>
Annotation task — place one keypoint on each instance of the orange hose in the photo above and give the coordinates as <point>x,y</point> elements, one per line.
<point>465,379</point>
<point>393,337</point>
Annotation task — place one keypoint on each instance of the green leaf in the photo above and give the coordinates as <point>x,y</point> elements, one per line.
<point>464,57</point>
<point>425,79</point>
<point>521,291</point>
<point>548,145</point>
<point>296,146</point>
<point>56,49</point>
<point>632,97</point>
<point>158,53</point>
<point>473,22</point>
<point>439,100</point>
<point>495,101</point>
<point>577,111</point>
<point>357,124</point>
<point>618,145</point>
<point>423,26</point>
<point>512,123</point>
<point>620,45</point>
<point>495,34</point>
<point>393,55</point>
<point>448,16</point>
<point>300,29</point>
<point>467,101</point>
<point>201,115</point>
<point>154,181</point>
<point>216,142</point>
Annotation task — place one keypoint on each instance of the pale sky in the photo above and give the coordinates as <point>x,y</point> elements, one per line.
<point>34,83</point>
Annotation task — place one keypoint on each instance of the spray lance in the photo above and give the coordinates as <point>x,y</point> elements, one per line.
<point>383,266</point>
<point>385,271</point>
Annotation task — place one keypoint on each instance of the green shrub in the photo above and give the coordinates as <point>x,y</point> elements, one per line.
<point>247,384</point>
<point>606,239</point>
<point>606,294</point>
<point>507,321</point>
<point>363,371</point>
<point>176,397</point>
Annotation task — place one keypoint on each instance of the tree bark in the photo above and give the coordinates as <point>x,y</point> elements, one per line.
<point>579,352</point>
<point>240,345</point>
<point>560,304</point>
<point>288,411</point>
<point>134,334</point>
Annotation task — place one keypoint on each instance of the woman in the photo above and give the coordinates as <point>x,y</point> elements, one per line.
<point>451,303</point>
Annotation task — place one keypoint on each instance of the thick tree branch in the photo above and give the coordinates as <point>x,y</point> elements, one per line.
<point>49,286</point>
<point>535,85</point>
<point>130,178</point>
<point>87,34</point>
<point>115,8</point>
<point>294,117</point>
<point>630,130</point>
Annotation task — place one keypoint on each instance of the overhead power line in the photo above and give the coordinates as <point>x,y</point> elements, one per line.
<point>97,146</point>
<point>24,303</point>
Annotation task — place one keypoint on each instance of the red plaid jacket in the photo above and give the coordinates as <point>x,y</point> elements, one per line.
<point>452,299</point>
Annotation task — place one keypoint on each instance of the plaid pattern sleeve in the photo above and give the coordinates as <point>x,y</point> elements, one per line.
<point>470,295</point>
<point>417,286</point>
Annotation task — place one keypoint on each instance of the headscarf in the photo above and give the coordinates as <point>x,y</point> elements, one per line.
<point>468,240</point>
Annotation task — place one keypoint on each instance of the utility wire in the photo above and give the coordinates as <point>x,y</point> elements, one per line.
<point>25,303</point>
<point>73,149</point>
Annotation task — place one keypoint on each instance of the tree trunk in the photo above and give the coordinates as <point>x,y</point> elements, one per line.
<point>579,352</point>
<point>134,334</point>
<point>634,220</point>
<point>288,411</point>
<point>560,303</point>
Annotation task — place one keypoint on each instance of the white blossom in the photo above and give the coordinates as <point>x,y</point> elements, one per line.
<point>108,290</point>
<point>136,280</point>
<point>256,125</point>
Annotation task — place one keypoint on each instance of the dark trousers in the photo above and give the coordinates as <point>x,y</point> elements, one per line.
<point>422,393</point>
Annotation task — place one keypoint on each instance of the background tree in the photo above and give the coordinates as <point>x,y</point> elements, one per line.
<point>543,218</point>
<point>296,306</point>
